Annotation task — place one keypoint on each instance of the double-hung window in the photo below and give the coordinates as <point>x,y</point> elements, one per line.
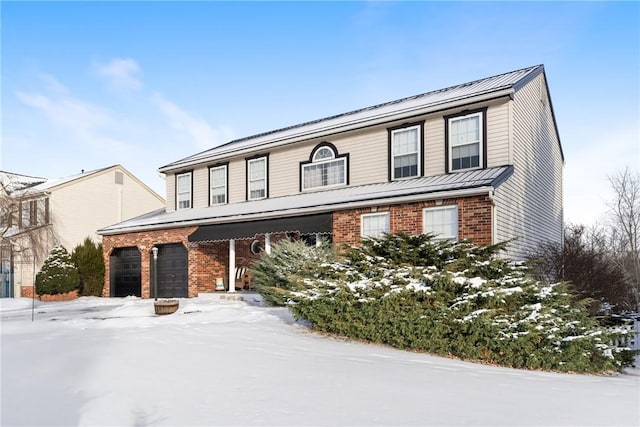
<point>218,185</point>
<point>374,225</point>
<point>325,169</point>
<point>34,212</point>
<point>25,214</point>
<point>405,148</point>
<point>183,190</point>
<point>442,221</point>
<point>257,178</point>
<point>465,141</point>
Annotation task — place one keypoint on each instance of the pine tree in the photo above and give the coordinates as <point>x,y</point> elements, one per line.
<point>88,258</point>
<point>58,274</point>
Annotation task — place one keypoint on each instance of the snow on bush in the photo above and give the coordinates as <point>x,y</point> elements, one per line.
<point>446,298</point>
<point>58,274</point>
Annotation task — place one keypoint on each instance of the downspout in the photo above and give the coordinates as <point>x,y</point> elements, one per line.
<point>494,219</point>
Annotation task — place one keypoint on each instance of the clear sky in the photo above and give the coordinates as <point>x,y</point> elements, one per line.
<point>91,84</point>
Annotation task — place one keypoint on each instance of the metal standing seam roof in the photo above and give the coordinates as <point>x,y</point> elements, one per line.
<point>314,202</point>
<point>512,80</point>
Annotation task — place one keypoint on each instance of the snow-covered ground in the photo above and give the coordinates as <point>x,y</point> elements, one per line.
<point>99,362</point>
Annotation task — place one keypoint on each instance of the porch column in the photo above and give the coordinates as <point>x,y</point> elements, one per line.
<point>267,243</point>
<point>232,266</point>
<point>318,240</point>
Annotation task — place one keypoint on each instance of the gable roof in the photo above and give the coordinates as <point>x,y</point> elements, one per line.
<point>439,186</point>
<point>474,91</point>
<point>41,185</point>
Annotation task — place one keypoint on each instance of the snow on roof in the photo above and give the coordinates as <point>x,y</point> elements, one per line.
<point>429,100</point>
<point>13,182</point>
<point>315,202</point>
<point>60,181</point>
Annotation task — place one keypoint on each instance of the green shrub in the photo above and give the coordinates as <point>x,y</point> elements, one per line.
<point>88,258</point>
<point>58,274</point>
<point>277,274</point>
<point>452,299</point>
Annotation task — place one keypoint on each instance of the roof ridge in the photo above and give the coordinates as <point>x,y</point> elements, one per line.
<point>352,112</point>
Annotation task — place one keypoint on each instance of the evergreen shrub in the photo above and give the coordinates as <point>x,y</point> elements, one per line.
<point>452,299</point>
<point>90,263</point>
<point>58,274</point>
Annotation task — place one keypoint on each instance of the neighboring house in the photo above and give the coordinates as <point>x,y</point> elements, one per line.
<point>39,213</point>
<point>479,161</point>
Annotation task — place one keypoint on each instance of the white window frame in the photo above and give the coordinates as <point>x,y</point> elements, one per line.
<point>364,234</point>
<point>417,152</point>
<point>479,141</point>
<point>185,196</point>
<point>250,164</point>
<point>427,229</point>
<point>213,186</point>
<point>332,160</point>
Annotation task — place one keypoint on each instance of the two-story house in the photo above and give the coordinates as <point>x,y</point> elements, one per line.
<point>480,161</point>
<point>39,213</point>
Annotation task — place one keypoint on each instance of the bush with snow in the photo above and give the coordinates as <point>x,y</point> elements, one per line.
<point>58,274</point>
<point>452,299</point>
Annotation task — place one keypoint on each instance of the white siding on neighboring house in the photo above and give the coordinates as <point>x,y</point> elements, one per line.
<point>529,204</point>
<point>81,207</point>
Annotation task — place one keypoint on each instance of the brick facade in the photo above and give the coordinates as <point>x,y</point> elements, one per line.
<point>144,241</point>
<point>208,261</point>
<point>474,219</point>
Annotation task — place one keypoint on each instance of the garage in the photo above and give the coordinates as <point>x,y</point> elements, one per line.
<point>172,270</point>
<point>125,272</point>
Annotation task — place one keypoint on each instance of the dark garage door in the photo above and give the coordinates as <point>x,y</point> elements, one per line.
<point>172,271</point>
<point>124,265</point>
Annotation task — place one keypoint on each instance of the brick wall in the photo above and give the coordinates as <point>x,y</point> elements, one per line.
<point>209,261</point>
<point>144,241</point>
<point>474,219</point>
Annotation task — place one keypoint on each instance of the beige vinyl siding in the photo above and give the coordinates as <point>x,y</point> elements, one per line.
<point>200,189</point>
<point>368,150</point>
<point>368,156</point>
<point>170,180</point>
<point>498,135</point>
<point>529,204</point>
<point>237,180</point>
<point>434,146</point>
<point>284,168</point>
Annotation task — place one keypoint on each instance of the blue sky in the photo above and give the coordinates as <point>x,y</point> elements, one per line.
<point>86,84</point>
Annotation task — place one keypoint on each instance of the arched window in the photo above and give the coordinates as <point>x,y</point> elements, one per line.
<point>323,153</point>
<point>325,168</point>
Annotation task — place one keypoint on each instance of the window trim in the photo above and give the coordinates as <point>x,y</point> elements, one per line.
<point>336,157</point>
<point>248,162</point>
<point>369,215</point>
<point>406,126</point>
<point>442,208</point>
<point>178,175</point>
<point>480,112</point>
<point>226,183</point>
